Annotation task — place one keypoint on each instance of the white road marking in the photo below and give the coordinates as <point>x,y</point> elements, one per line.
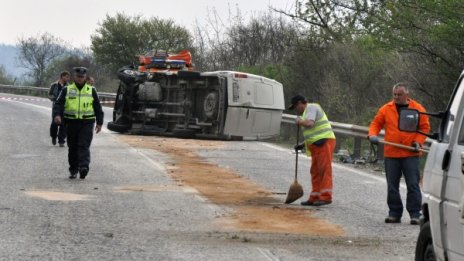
<point>29,104</point>
<point>268,254</point>
<point>154,163</point>
<point>272,146</point>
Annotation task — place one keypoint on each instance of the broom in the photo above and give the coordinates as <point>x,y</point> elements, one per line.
<point>296,191</point>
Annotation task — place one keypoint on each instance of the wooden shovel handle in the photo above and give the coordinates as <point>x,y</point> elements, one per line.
<point>401,145</point>
<point>297,142</point>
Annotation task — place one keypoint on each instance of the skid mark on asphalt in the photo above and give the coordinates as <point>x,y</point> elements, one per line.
<point>252,207</point>
<point>57,196</point>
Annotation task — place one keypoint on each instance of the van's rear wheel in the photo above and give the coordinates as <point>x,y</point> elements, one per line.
<point>121,128</point>
<point>424,246</point>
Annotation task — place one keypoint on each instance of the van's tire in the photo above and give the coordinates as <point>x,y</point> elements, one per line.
<point>188,75</point>
<point>124,77</point>
<point>210,105</point>
<point>121,128</point>
<point>424,246</point>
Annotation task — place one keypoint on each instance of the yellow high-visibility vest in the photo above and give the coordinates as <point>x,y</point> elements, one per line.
<point>79,103</point>
<point>320,130</point>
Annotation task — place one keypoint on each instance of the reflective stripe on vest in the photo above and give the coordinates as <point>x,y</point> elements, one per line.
<point>320,130</point>
<point>79,104</point>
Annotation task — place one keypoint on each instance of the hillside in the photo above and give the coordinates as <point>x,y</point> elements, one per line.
<point>9,61</point>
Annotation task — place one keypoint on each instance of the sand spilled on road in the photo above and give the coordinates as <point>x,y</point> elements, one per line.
<point>253,207</point>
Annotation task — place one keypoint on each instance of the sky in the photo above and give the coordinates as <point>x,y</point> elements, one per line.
<point>75,21</point>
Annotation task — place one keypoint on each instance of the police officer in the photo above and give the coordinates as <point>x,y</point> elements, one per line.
<point>80,107</point>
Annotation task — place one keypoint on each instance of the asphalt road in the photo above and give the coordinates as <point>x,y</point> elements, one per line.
<point>46,216</point>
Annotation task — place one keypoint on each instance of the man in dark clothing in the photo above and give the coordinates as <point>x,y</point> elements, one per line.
<point>58,130</point>
<point>80,107</point>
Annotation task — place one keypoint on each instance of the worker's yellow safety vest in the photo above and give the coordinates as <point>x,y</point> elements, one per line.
<point>320,130</point>
<point>79,104</point>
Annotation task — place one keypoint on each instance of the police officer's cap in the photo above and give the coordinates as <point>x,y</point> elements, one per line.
<point>80,70</point>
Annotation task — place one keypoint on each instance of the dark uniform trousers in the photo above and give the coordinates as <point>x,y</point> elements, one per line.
<point>80,134</point>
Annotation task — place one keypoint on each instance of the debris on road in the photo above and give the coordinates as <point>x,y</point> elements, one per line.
<point>253,206</point>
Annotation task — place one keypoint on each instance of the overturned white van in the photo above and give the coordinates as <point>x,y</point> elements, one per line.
<point>213,105</point>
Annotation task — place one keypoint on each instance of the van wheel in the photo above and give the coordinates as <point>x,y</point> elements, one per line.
<point>121,128</point>
<point>424,246</point>
<point>210,105</point>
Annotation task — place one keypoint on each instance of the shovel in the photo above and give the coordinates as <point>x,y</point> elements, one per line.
<point>401,146</point>
<point>296,190</point>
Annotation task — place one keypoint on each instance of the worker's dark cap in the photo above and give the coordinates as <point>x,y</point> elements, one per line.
<point>295,100</point>
<point>80,70</point>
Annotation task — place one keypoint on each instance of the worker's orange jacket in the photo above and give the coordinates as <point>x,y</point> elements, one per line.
<point>387,118</point>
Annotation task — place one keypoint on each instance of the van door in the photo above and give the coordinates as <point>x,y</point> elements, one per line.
<point>452,225</point>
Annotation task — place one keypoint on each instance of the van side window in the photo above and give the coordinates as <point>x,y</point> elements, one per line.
<point>453,110</point>
<point>461,134</point>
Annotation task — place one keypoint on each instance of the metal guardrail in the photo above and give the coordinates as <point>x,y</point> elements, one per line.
<point>347,129</point>
<point>105,97</point>
<point>340,128</point>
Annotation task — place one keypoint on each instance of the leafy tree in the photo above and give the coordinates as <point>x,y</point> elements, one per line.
<point>429,33</point>
<point>420,38</point>
<point>37,53</point>
<point>120,39</point>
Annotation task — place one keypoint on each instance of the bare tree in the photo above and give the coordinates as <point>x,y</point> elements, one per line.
<point>37,53</point>
<point>332,20</point>
<point>259,42</point>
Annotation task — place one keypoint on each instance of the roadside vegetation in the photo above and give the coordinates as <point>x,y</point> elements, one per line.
<point>345,55</point>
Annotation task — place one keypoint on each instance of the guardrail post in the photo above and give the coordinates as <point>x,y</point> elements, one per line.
<point>357,148</point>
<point>338,143</point>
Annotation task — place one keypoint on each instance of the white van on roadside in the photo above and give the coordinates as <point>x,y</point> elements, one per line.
<point>441,235</point>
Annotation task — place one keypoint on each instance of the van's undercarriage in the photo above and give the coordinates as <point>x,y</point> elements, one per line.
<point>185,104</point>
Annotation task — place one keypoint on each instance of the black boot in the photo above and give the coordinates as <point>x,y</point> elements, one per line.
<point>72,174</point>
<point>83,172</point>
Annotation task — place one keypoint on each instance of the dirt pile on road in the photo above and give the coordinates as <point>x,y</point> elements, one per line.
<point>254,207</point>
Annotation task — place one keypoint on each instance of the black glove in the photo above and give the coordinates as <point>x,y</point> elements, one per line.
<point>374,139</point>
<point>298,147</point>
<point>416,146</point>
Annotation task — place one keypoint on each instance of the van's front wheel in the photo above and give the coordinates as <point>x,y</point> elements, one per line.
<point>424,246</point>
